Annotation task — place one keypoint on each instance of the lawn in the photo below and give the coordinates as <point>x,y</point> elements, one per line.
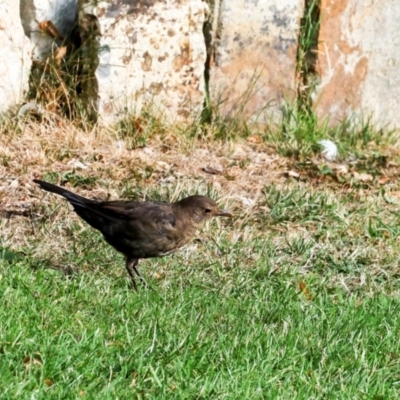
<point>296,297</point>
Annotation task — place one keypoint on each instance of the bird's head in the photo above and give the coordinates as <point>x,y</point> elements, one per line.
<point>201,208</point>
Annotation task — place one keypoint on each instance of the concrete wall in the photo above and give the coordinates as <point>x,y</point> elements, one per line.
<point>62,13</point>
<point>152,54</point>
<point>253,69</point>
<point>170,56</point>
<point>359,61</point>
<point>15,56</point>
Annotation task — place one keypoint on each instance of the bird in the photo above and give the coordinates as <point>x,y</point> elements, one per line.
<point>142,229</point>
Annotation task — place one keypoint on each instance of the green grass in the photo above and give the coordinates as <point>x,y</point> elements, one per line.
<point>259,340</point>
<point>298,302</point>
<point>297,297</point>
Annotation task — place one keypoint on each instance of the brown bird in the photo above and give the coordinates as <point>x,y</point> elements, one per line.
<point>142,229</point>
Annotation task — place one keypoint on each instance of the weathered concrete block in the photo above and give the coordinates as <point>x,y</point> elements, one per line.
<point>359,61</point>
<point>150,53</point>
<point>15,55</point>
<point>254,66</point>
<point>62,13</point>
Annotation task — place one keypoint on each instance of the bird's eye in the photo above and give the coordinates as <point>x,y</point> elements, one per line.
<point>207,210</point>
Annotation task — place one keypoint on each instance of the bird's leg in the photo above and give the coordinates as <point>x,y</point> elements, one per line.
<point>131,267</point>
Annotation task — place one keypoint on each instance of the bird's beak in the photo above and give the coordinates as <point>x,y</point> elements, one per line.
<point>224,213</point>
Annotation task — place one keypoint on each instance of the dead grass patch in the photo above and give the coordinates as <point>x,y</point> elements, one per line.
<point>100,165</point>
<point>285,215</point>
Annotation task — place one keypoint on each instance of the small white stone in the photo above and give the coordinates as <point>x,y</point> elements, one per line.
<point>77,164</point>
<point>329,149</point>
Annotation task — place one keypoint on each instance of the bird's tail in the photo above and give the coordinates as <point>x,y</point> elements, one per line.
<point>73,198</point>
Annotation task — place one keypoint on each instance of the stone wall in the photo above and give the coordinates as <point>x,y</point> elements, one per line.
<point>62,13</point>
<point>359,61</point>
<point>253,68</point>
<point>175,56</point>
<point>15,56</point>
<point>152,54</point>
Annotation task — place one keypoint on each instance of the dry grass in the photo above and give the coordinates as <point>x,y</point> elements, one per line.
<point>267,192</point>
<point>100,163</point>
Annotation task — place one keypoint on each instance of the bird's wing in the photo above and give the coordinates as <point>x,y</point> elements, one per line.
<point>144,229</point>
<point>130,210</point>
<point>116,211</point>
